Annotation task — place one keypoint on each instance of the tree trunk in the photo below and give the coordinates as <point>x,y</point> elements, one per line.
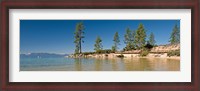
<point>80,40</point>
<point>80,45</point>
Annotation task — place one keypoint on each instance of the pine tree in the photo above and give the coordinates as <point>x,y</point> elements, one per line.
<point>140,37</point>
<point>127,36</point>
<point>152,40</point>
<point>116,41</point>
<point>133,40</point>
<point>98,46</point>
<point>175,35</point>
<point>113,49</point>
<point>78,35</point>
<point>129,39</point>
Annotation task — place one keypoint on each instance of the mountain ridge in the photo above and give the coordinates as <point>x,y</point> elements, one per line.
<point>42,55</point>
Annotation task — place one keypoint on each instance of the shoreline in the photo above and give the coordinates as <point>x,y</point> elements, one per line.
<point>162,51</point>
<point>125,56</point>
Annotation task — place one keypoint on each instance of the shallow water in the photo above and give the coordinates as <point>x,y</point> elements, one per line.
<point>92,64</point>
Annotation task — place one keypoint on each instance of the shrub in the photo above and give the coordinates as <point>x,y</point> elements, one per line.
<point>144,52</point>
<point>128,48</point>
<point>113,49</point>
<point>104,51</point>
<point>174,53</point>
<point>88,53</point>
<point>120,56</point>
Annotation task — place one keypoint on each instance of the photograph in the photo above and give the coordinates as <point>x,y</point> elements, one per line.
<point>100,45</point>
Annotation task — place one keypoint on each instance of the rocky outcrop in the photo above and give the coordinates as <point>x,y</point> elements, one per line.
<point>131,52</point>
<point>159,51</point>
<point>165,48</point>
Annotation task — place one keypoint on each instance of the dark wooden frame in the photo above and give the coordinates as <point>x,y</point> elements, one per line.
<point>89,4</point>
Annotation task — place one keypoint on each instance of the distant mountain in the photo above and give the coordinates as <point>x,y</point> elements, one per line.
<point>42,55</point>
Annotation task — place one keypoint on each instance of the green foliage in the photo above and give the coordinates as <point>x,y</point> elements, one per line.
<point>76,49</point>
<point>128,47</point>
<point>133,40</point>
<point>140,37</point>
<point>98,46</point>
<point>120,56</point>
<point>78,35</point>
<point>113,49</point>
<point>129,39</point>
<point>175,35</point>
<point>88,53</point>
<point>148,45</point>
<point>116,42</point>
<point>127,36</point>
<point>174,53</point>
<point>107,51</point>
<point>144,52</point>
<point>152,40</point>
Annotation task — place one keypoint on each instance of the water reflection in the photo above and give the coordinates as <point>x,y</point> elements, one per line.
<point>98,64</point>
<point>134,64</point>
<point>114,64</point>
<point>78,64</point>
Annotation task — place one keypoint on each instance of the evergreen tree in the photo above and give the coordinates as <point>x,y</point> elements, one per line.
<point>129,39</point>
<point>127,36</point>
<point>76,41</point>
<point>116,41</point>
<point>98,46</point>
<point>76,49</point>
<point>175,35</point>
<point>133,40</point>
<point>113,49</point>
<point>152,40</point>
<point>78,35</point>
<point>140,37</point>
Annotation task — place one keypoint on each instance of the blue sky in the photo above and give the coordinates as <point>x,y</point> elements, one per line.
<point>57,36</point>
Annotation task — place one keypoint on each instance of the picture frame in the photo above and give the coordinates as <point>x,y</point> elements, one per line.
<point>88,4</point>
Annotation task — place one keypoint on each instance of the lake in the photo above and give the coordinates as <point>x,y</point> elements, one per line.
<point>93,64</point>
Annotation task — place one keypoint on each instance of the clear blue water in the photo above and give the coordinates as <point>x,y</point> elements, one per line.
<point>91,64</point>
